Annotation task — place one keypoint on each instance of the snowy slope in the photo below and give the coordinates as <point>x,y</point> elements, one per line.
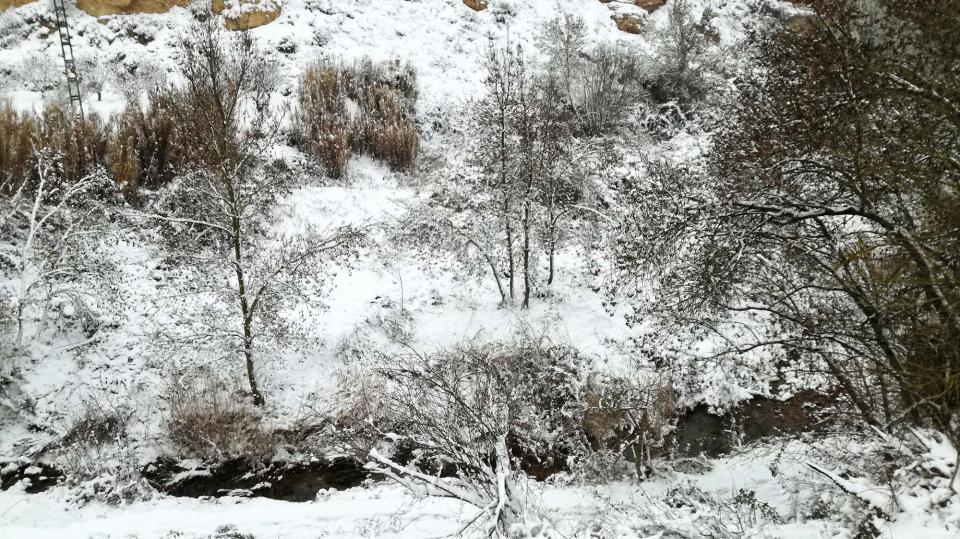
<point>352,314</point>
<point>445,41</point>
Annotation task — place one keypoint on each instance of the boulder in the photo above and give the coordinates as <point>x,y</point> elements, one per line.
<point>32,476</point>
<point>650,5</point>
<point>628,17</point>
<point>476,5</point>
<point>628,22</point>
<point>247,14</point>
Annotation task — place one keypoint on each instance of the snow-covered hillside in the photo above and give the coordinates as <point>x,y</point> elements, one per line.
<point>386,297</point>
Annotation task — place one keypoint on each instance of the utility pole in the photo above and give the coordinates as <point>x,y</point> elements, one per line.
<point>69,64</point>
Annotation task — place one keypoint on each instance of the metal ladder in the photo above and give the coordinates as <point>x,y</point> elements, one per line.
<point>69,64</point>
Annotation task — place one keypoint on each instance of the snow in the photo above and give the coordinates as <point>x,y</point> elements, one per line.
<point>383,510</point>
<point>431,297</point>
<point>446,42</point>
<point>355,513</point>
<point>617,509</point>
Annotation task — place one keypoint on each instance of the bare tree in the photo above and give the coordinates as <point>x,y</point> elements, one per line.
<point>533,171</point>
<point>564,41</point>
<point>496,156</point>
<point>473,412</point>
<point>227,125</point>
<point>96,71</point>
<point>43,228</point>
<point>40,74</point>
<point>826,213</point>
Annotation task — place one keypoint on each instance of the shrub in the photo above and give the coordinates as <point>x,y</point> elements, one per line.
<point>145,146</point>
<point>17,132</point>
<point>94,427</point>
<point>160,144</point>
<point>80,142</point>
<point>99,459</point>
<point>384,129</point>
<point>211,424</point>
<point>481,414</point>
<point>607,83</point>
<point>380,124</point>
<point>365,74</point>
<point>122,156</point>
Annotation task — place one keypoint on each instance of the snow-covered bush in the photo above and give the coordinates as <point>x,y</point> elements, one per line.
<point>886,480</point>
<point>476,416</point>
<point>681,69</point>
<point>99,458</point>
<point>46,267</point>
<point>627,416</point>
<point>599,83</point>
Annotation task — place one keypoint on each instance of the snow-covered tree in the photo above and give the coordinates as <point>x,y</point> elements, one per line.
<point>44,226</point>
<point>216,209</point>
<point>823,223</point>
<point>476,412</point>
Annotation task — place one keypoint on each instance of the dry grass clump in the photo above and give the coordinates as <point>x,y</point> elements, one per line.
<point>212,424</point>
<point>135,146</point>
<point>323,121</point>
<point>383,128</point>
<point>16,148</point>
<point>80,142</point>
<point>144,147</point>
<point>363,107</point>
<point>123,156</point>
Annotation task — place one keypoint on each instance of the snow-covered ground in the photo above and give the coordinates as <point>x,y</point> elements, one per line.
<point>438,303</point>
<point>386,510</point>
<point>445,41</point>
<point>765,492</point>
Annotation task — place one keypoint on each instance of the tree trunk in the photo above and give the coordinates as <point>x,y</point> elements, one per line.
<point>246,312</point>
<point>504,185</point>
<point>526,254</point>
<point>511,270</point>
<point>551,246</point>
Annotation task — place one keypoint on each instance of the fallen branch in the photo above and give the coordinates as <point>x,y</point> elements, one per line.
<point>869,497</point>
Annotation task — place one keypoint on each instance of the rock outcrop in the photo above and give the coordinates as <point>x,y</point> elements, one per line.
<point>476,5</point>
<point>99,8</point>
<point>247,14</point>
<point>629,22</point>
<point>7,4</point>
<point>650,5</point>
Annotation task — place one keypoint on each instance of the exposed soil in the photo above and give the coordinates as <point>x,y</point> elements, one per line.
<point>294,482</point>
<point>34,477</point>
